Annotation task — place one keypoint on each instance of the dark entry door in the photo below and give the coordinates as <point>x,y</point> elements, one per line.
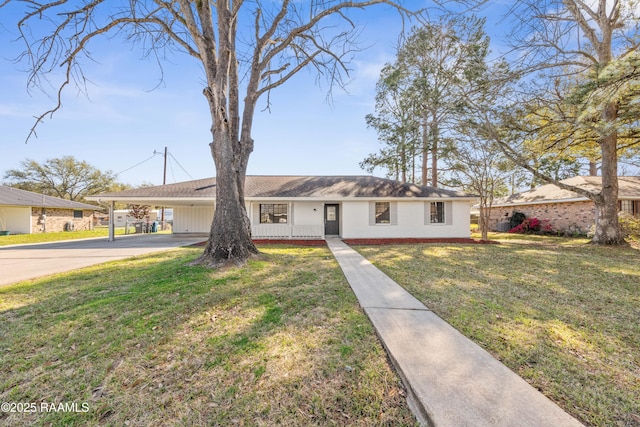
<point>331,220</point>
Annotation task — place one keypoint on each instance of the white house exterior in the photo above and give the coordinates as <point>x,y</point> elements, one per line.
<point>312,207</point>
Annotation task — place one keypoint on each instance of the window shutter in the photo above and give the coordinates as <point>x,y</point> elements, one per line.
<point>448,213</point>
<point>290,213</point>
<point>256,213</point>
<point>372,213</point>
<point>393,213</point>
<point>427,213</point>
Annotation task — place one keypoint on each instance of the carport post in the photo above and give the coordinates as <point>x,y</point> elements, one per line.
<point>112,236</point>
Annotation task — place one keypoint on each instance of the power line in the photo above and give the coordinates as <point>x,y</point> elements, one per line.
<point>173,175</point>
<point>183,169</point>
<point>137,164</point>
<point>156,153</point>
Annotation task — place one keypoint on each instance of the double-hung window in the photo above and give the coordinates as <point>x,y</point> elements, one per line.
<point>383,213</point>
<point>273,213</point>
<point>436,214</point>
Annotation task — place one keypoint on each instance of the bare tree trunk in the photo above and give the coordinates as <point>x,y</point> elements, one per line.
<point>403,162</point>
<point>593,169</point>
<point>425,149</point>
<point>607,229</point>
<point>397,170</point>
<point>230,234</point>
<point>413,168</point>
<point>434,153</point>
<point>484,224</point>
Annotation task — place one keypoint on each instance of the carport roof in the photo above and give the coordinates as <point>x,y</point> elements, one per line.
<point>287,187</point>
<point>10,196</point>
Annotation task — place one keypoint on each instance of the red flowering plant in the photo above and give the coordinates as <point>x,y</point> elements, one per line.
<point>533,225</point>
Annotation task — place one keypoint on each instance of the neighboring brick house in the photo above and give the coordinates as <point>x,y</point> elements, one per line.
<point>565,210</point>
<point>25,212</point>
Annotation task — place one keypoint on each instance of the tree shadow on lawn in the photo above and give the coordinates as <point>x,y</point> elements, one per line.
<point>564,318</point>
<point>154,341</point>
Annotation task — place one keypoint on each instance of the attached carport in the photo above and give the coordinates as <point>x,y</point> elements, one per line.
<point>192,207</point>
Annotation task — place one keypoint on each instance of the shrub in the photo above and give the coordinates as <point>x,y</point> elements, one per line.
<point>516,219</point>
<point>630,225</point>
<point>573,230</point>
<point>534,226</point>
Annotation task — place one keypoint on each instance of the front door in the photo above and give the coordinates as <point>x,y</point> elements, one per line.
<point>331,220</point>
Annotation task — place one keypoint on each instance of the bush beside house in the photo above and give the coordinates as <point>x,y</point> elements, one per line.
<point>567,212</point>
<point>571,218</point>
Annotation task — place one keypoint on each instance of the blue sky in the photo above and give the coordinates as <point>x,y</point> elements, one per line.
<point>127,115</point>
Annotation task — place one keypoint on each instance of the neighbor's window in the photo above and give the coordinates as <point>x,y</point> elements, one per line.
<point>383,213</point>
<point>437,213</point>
<point>273,213</point>
<point>632,207</point>
<point>77,214</point>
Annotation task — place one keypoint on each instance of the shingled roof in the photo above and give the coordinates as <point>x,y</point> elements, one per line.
<point>10,196</point>
<point>289,187</point>
<point>629,188</point>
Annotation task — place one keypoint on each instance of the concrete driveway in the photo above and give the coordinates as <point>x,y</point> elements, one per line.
<point>23,262</point>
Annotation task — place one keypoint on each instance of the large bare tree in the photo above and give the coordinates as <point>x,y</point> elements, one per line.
<point>583,40</point>
<point>277,40</point>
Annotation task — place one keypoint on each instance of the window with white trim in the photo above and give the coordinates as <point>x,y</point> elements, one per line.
<point>436,213</point>
<point>273,213</point>
<point>383,213</point>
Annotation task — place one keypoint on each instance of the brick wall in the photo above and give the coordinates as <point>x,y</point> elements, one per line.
<point>57,218</point>
<point>572,216</point>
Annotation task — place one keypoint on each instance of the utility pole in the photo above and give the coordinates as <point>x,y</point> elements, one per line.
<point>164,181</point>
<point>164,176</point>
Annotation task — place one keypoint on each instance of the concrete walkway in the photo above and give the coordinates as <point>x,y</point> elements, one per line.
<point>24,262</point>
<point>451,381</point>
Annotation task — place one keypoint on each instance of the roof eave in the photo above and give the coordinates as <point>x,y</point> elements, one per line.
<point>541,202</point>
<point>150,200</point>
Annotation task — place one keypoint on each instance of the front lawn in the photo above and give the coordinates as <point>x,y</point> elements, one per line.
<point>152,341</point>
<point>563,314</point>
<point>26,239</point>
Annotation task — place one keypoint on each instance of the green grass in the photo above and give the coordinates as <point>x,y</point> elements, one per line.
<point>23,239</point>
<point>153,341</point>
<point>563,314</point>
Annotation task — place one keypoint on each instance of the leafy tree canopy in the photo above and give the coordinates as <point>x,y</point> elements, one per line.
<point>63,177</point>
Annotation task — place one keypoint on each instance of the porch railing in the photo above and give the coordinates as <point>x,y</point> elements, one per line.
<point>281,231</point>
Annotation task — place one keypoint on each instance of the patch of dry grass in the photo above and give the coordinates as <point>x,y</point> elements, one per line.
<point>152,341</point>
<point>563,314</point>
